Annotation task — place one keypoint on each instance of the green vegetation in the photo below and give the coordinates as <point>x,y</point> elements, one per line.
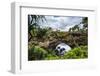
<point>37,53</point>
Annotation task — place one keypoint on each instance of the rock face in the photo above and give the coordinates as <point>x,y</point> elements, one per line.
<point>62,48</point>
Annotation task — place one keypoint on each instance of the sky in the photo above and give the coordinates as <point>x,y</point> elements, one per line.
<point>62,23</point>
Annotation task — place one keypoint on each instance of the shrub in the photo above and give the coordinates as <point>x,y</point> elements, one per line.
<point>77,53</point>
<point>51,57</point>
<point>36,53</point>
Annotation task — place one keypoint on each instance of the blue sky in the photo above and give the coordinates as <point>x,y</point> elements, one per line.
<point>62,23</point>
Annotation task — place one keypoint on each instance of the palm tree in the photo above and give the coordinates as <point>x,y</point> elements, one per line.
<point>33,22</point>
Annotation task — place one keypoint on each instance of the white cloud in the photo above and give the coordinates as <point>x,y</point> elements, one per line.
<point>61,22</point>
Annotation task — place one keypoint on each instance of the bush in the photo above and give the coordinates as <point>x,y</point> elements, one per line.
<point>77,53</point>
<point>36,53</point>
<point>51,57</point>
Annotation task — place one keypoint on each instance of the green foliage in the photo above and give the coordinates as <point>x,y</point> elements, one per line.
<point>51,57</point>
<point>77,53</point>
<point>37,53</point>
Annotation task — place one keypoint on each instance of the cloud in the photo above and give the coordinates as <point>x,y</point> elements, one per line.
<point>62,23</point>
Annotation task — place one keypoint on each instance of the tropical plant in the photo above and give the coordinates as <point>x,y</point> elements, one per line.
<point>33,23</point>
